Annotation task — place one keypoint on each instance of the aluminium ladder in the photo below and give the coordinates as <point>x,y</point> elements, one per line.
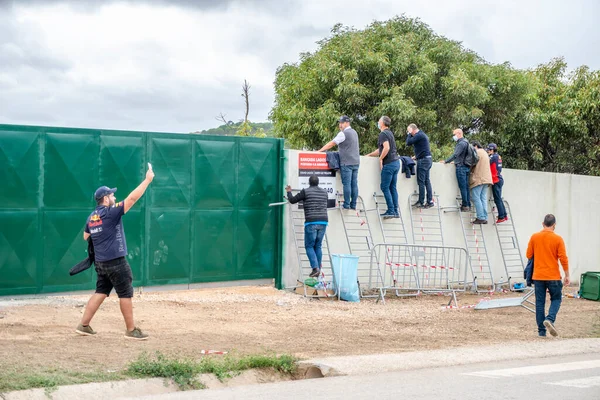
<point>360,243</point>
<point>476,248</point>
<point>304,269</point>
<point>509,247</point>
<point>393,229</point>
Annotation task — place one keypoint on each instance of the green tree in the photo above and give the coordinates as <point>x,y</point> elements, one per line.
<point>399,68</point>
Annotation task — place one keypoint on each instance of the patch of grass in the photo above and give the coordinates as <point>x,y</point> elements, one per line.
<point>50,378</point>
<point>184,371</point>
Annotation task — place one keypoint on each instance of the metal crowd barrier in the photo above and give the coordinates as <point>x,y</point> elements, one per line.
<point>411,269</point>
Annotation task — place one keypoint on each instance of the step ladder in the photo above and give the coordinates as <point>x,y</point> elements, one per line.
<point>476,248</point>
<point>393,229</point>
<point>509,247</point>
<point>426,223</point>
<point>296,213</point>
<point>360,242</point>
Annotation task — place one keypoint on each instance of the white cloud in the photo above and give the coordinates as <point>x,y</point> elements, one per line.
<point>174,66</point>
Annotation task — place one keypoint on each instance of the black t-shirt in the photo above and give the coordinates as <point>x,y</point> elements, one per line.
<point>392,155</point>
<point>106,228</point>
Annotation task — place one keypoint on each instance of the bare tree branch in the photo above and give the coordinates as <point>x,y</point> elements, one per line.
<point>246,96</point>
<point>221,118</point>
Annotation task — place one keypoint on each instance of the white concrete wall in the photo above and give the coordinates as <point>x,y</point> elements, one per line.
<point>574,199</point>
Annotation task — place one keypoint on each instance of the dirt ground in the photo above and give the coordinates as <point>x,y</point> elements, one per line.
<point>261,319</point>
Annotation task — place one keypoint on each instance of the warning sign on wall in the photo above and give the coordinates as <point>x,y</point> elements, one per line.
<point>316,164</point>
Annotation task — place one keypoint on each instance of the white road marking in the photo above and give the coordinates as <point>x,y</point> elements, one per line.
<point>582,383</point>
<point>537,369</point>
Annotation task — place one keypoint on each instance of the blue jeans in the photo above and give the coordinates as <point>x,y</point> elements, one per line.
<point>462,176</point>
<point>423,168</point>
<point>555,289</point>
<point>480,195</point>
<point>497,192</point>
<point>313,239</point>
<point>389,179</point>
<point>350,183</point>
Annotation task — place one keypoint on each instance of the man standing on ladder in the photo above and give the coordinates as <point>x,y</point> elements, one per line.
<point>315,220</point>
<point>389,164</point>
<point>347,142</point>
<point>547,248</point>
<point>496,166</point>
<point>462,170</point>
<point>417,138</point>
<point>105,227</point>
<point>481,178</point>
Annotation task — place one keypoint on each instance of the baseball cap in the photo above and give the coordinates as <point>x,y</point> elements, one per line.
<point>103,191</point>
<point>492,146</point>
<point>344,118</point>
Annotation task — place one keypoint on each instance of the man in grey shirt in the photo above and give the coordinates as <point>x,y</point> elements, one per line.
<point>347,142</point>
<point>462,170</point>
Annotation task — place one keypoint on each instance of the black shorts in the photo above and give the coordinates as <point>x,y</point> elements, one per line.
<point>114,274</point>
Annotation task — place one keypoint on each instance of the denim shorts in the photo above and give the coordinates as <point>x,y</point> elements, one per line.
<point>114,274</point>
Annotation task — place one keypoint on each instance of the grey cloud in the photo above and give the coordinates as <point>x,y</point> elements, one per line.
<point>207,5</point>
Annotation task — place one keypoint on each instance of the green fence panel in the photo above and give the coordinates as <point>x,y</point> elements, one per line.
<point>19,169</point>
<point>204,218</point>
<point>18,251</point>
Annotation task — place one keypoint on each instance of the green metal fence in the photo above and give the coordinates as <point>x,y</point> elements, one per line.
<point>204,218</point>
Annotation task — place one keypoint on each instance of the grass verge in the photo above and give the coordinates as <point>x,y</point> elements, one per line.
<point>184,371</point>
<point>50,378</point>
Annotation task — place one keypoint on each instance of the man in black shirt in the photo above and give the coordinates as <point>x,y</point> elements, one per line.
<point>315,220</point>
<point>105,227</point>
<point>389,164</point>
<point>418,138</point>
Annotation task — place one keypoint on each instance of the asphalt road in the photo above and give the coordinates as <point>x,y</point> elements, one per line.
<point>564,377</point>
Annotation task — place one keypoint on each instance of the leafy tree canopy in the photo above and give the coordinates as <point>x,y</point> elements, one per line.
<point>545,119</point>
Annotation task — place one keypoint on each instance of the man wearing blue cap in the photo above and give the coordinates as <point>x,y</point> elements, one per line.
<point>105,227</point>
<point>347,143</point>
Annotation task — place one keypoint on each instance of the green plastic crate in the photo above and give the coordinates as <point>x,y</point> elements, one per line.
<point>590,286</point>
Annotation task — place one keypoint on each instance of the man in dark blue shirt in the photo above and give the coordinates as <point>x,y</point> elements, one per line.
<point>417,138</point>
<point>105,227</point>
<point>389,164</point>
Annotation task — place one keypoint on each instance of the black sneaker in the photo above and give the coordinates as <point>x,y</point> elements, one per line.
<point>396,215</point>
<point>465,209</point>
<point>387,215</point>
<point>429,205</point>
<point>315,272</point>
<point>418,205</point>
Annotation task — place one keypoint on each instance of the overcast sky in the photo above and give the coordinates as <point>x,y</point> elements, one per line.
<point>174,65</point>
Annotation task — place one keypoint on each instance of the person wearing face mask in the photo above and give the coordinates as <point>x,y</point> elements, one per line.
<point>462,170</point>
<point>389,164</point>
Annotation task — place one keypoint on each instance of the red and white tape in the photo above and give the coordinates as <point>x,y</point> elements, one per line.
<point>422,266</point>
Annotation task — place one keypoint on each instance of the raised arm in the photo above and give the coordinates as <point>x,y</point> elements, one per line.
<point>139,191</point>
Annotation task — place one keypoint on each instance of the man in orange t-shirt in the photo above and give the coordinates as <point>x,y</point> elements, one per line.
<point>547,248</point>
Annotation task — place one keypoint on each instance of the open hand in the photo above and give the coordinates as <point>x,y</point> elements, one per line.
<point>288,188</point>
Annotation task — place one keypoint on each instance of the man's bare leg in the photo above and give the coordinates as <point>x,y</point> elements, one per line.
<point>92,306</point>
<point>127,311</point>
